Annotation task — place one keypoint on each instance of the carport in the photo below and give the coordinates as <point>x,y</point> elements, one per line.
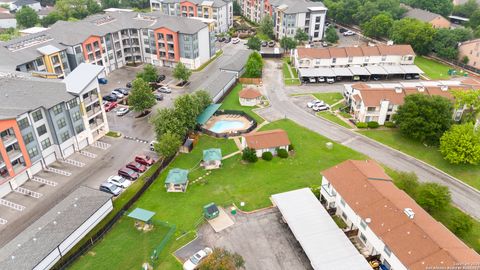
<point>377,72</point>
<point>359,73</point>
<point>323,241</point>
<point>307,73</point>
<point>342,73</point>
<point>412,70</point>
<point>394,71</point>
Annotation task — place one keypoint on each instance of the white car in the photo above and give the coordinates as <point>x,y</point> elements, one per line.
<point>330,80</point>
<point>122,111</point>
<point>312,80</point>
<point>321,79</point>
<point>235,40</point>
<point>119,181</point>
<point>319,108</point>
<point>349,33</point>
<point>315,102</point>
<point>165,89</point>
<point>195,260</point>
<point>118,93</point>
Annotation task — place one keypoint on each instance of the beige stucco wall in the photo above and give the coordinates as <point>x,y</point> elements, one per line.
<point>440,22</point>
<point>472,51</point>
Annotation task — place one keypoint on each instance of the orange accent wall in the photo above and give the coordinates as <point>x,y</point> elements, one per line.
<point>176,46</point>
<point>12,123</point>
<point>187,5</point>
<point>90,41</point>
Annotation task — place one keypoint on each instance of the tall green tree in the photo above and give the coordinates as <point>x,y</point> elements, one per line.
<point>461,144</point>
<point>8,34</point>
<point>254,66</point>
<point>26,17</point>
<point>51,18</point>
<point>408,182</point>
<point>433,197</point>
<point>149,73</point>
<point>331,35</point>
<point>181,72</point>
<point>378,26</point>
<point>166,121</point>
<point>466,10</point>
<point>93,7</point>
<point>460,224</point>
<point>72,8</point>
<point>266,26</point>
<point>254,43</point>
<point>424,118</point>
<point>167,145</point>
<point>445,41</point>
<point>442,7</point>
<point>222,259</point>
<point>110,4</point>
<point>203,98</point>
<point>288,43</point>
<point>301,36</point>
<point>187,108</point>
<point>475,19</point>
<point>414,32</point>
<point>468,99</point>
<point>141,97</point>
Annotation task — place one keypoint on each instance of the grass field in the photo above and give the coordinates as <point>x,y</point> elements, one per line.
<point>231,102</point>
<point>469,174</point>
<point>330,98</point>
<point>433,69</point>
<point>289,78</point>
<point>333,118</point>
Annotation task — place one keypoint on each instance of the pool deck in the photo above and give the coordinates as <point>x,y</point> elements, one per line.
<point>228,117</point>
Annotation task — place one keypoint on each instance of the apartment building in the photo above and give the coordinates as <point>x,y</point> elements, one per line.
<point>45,120</point>
<point>436,20</point>
<point>220,11</point>
<point>112,40</point>
<point>386,224</point>
<point>288,16</point>
<point>379,102</point>
<point>470,49</point>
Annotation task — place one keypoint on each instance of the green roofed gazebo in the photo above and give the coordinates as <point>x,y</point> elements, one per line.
<point>177,180</point>
<point>207,113</point>
<point>141,214</point>
<point>212,158</point>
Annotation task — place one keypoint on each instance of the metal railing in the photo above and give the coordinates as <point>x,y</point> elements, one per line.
<point>233,133</point>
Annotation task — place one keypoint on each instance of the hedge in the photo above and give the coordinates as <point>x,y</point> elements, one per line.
<point>389,124</point>
<point>362,125</point>
<point>267,156</point>
<point>373,124</point>
<point>282,153</point>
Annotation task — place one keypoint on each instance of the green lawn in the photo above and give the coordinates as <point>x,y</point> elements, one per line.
<point>231,102</point>
<point>262,36</point>
<point>469,174</point>
<point>124,248</point>
<point>433,69</point>
<point>329,98</point>
<point>289,78</point>
<point>333,118</point>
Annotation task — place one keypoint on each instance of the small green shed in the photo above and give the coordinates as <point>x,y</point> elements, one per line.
<point>210,211</point>
<point>177,180</point>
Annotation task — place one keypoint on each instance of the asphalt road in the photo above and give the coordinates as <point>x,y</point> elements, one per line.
<point>463,196</point>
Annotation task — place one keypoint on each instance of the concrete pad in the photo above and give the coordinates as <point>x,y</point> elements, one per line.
<point>221,222</point>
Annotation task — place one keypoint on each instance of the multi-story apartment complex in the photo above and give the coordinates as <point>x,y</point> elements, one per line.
<point>288,16</point>
<point>45,120</point>
<point>388,225</point>
<point>112,40</point>
<point>470,49</point>
<point>219,11</point>
<point>379,102</point>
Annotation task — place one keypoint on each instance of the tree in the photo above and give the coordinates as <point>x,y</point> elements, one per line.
<point>203,98</point>
<point>254,43</point>
<point>187,108</point>
<point>288,43</point>
<point>475,19</point>
<point>461,144</point>
<point>222,259</point>
<point>424,118</point>
<point>466,10</point>
<point>9,34</point>
<point>301,36</point>
<point>331,35</point>
<point>141,97</point>
<point>26,17</point>
<point>460,223</point>
<point>249,154</point>
<point>254,65</point>
<point>110,4</point>
<point>433,197</point>
<point>237,10</point>
<point>442,7</point>
<point>168,144</point>
<point>166,121</point>
<point>468,99</point>
<point>266,26</point>
<point>378,26</point>
<point>407,182</point>
<point>181,72</point>
<point>93,7</point>
<point>51,18</point>
<point>149,74</point>
<point>72,8</point>
<point>445,41</point>
<point>414,32</point>
<point>465,60</point>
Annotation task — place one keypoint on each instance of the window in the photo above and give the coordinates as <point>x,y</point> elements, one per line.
<point>89,47</point>
<point>72,103</point>
<point>39,62</point>
<point>334,60</point>
<point>79,128</point>
<point>363,224</point>
<point>61,123</point>
<point>65,136</point>
<point>41,130</point>
<point>78,50</point>
<point>363,238</point>
<point>350,59</point>
<point>387,251</point>
<point>342,202</point>
<point>46,143</point>
<point>57,109</point>
<point>371,109</point>
<point>23,123</point>
<point>76,116</point>
<point>33,152</point>
<point>384,58</point>
<point>28,138</point>
<point>37,115</point>
<point>344,216</point>
<point>317,19</point>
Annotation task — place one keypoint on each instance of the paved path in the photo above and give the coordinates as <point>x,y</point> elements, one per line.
<point>465,197</point>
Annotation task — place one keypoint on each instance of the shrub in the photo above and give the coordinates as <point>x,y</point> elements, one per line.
<point>389,124</point>
<point>249,155</point>
<point>290,147</point>
<point>282,153</point>
<point>373,124</point>
<point>362,125</point>
<point>267,156</point>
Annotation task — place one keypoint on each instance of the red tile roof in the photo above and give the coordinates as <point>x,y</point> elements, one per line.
<point>327,53</point>
<point>267,139</point>
<point>249,93</point>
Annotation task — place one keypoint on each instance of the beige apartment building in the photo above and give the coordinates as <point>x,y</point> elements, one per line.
<point>470,49</point>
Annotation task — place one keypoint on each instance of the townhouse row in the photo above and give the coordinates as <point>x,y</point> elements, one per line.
<point>220,12</point>
<point>42,121</point>
<point>288,16</point>
<point>112,40</point>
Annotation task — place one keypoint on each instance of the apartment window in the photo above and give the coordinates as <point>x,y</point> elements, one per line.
<point>61,123</point>
<point>79,128</point>
<point>342,202</point>
<point>363,238</point>
<point>387,251</point>
<point>39,62</point>
<point>46,143</point>
<point>33,152</point>
<point>89,47</point>
<point>37,115</point>
<point>57,109</point>
<point>371,109</point>
<point>350,59</point>
<point>28,138</point>
<point>334,60</point>
<point>76,116</point>
<point>78,50</point>
<point>363,224</point>
<point>72,103</point>
<point>344,216</point>
<point>41,130</point>
<point>23,123</point>
<point>65,136</point>
<point>317,19</point>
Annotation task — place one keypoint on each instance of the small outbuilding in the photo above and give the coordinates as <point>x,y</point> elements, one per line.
<point>212,158</point>
<point>250,97</point>
<point>266,141</point>
<point>210,211</point>
<point>177,180</point>
<point>187,146</point>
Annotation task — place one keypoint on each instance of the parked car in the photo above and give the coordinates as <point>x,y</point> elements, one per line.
<point>271,43</point>
<point>264,44</point>
<point>110,98</point>
<point>195,260</point>
<point>315,102</point>
<point>152,145</point>
<point>227,39</point>
<point>312,80</point>
<point>161,78</point>
<point>220,39</point>
<point>342,30</point>
<point>324,44</point>
<point>348,33</point>
<point>110,106</point>
<point>321,79</point>
<point>102,81</point>
<point>375,77</point>
<point>235,40</point>
<point>158,96</point>
<point>319,108</point>
<point>119,181</point>
<point>111,188</point>
<point>144,160</point>
<point>122,111</point>
<point>128,85</point>
<point>123,91</point>
<point>165,89</point>
<point>117,93</point>
<point>330,80</point>
<point>128,173</point>
<point>136,166</point>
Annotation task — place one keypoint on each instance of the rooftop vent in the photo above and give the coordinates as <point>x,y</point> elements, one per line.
<point>104,20</point>
<point>368,220</point>
<point>28,43</point>
<point>421,88</point>
<point>444,87</point>
<point>409,212</point>
<point>398,90</point>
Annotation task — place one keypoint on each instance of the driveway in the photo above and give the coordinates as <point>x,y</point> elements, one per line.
<point>261,238</point>
<point>463,196</point>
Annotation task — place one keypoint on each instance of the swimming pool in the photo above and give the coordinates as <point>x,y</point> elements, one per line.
<point>227,125</point>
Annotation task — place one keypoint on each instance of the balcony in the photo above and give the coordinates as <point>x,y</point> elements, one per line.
<point>14,154</point>
<point>9,140</point>
<point>329,196</point>
<point>2,164</point>
<point>359,245</point>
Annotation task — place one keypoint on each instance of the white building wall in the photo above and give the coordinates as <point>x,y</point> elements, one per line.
<point>5,189</point>
<point>49,261</point>
<point>203,45</point>
<point>383,111</point>
<point>8,23</point>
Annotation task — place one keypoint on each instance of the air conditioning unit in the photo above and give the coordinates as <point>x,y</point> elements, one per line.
<point>409,212</point>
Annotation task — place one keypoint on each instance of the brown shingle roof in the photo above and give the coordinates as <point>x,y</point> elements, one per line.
<point>420,242</point>
<point>327,53</point>
<point>373,97</point>
<point>396,50</point>
<point>249,93</point>
<point>337,52</point>
<point>267,139</point>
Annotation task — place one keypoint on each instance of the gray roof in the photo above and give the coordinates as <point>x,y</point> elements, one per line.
<point>215,3</point>
<point>51,229</point>
<point>297,6</point>
<point>24,94</point>
<point>82,76</point>
<point>20,3</point>
<point>214,84</point>
<point>421,15</point>
<point>237,61</point>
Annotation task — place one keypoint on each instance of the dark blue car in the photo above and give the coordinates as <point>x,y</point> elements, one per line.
<point>102,81</point>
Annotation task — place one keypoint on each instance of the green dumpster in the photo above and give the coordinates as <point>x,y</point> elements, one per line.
<point>210,211</point>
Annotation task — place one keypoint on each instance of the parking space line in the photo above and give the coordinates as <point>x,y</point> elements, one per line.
<point>57,171</point>
<point>87,154</point>
<point>101,145</point>
<point>14,206</point>
<point>73,162</point>
<point>28,192</point>
<point>44,181</point>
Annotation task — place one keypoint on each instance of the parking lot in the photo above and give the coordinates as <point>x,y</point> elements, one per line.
<point>262,238</point>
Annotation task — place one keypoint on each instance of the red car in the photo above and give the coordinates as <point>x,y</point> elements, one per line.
<point>110,106</point>
<point>128,173</point>
<point>144,160</point>
<point>136,166</point>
